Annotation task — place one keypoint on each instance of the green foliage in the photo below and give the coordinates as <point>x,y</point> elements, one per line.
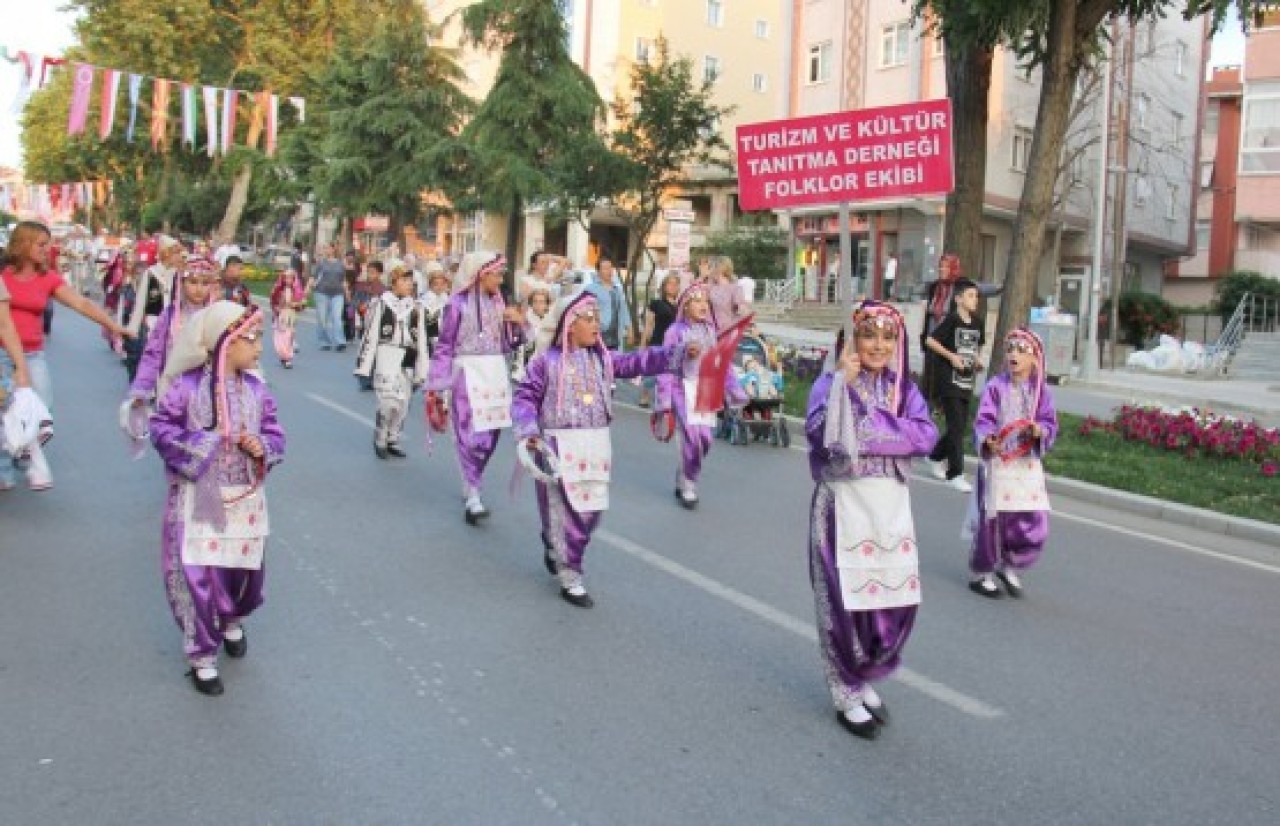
<point>392,103</point>
<point>1233,286</point>
<point>758,249</point>
<point>1143,317</point>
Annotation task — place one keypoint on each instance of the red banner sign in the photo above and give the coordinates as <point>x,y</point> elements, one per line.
<point>899,151</point>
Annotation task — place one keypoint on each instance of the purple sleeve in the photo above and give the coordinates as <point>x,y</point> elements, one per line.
<point>528,396</point>
<point>187,453</point>
<point>911,434</point>
<point>151,365</point>
<point>987,422</point>
<point>270,432</point>
<point>442,360</point>
<point>649,361</point>
<point>668,383</point>
<point>1047,418</point>
<point>815,420</point>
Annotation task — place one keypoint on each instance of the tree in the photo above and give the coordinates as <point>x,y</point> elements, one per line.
<point>1062,47</point>
<point>758,248</point>
<point>392,101</point>
<point>535,138</point>
<point>666,128</point>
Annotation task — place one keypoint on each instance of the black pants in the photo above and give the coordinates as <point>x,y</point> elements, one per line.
<point>955,409</point>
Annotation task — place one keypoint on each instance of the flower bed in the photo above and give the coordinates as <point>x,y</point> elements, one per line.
<point>1194,433</point>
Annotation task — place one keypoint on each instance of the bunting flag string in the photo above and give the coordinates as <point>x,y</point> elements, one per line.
<point>35,70</point>
<point>54,200</point>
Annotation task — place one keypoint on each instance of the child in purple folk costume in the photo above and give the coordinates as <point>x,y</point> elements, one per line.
<point>477,334</point>
<point>216,430</point>
<point>865,422</point>
<point>564,405</point>
<point>689,337</point>
<point>1016,426</point>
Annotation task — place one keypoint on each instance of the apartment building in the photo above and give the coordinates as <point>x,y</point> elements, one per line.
<point>740,44</point>
<point>1238,212</point>
<point>855,55</point>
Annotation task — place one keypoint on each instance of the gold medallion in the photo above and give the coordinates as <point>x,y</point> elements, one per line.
<point>587,398</point>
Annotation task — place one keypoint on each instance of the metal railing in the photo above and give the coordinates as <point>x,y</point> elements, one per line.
<point>782,292</point>
<point>1254,314</point>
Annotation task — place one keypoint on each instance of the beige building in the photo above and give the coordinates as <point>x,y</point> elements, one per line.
<point>856,55</point>
<point>742,44</point>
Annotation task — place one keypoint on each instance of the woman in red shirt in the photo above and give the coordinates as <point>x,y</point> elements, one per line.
<point>31,283</point>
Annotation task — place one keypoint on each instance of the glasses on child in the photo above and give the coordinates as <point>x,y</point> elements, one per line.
<point>588,315</point>
<point>1018,347</point>
<point>250,337</point>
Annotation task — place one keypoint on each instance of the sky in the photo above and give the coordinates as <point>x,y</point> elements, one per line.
<point>39,26</point>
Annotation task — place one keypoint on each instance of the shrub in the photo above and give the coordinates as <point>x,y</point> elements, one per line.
<point>1232,287</point>
<point>1143,316</point>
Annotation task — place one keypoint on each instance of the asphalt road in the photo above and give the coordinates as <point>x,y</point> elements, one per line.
<point>407,668</point>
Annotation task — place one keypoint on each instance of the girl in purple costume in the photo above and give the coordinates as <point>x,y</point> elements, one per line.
<point>865,422</point>
<point>1013,521</point>
<point>690,336</point>
<point>217,432</point>
<point>477,334</point>
<point>196,281</point>
<point>564,401</point>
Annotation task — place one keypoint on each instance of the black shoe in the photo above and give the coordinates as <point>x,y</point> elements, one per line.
<point>395,451</point>
<point>341,348</point>
<point>288,365</point>
<point>867,731</point>
<point>879,713</point>
<point>211,687</point>
<point>583,600</point>
<point>474,517</point>
<point>381,452</point>
<point>1014,588</point>
<point>984,588</point>
<point>326,347</point>
<point>236,648</point>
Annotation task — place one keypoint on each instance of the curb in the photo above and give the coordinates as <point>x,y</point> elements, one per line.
<point>1130,394</point>
<point>1240,527</point>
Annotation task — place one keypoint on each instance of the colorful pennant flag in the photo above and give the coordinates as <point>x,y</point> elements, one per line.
<point>135,89</point>
<point>228,118</point>
<point>211,118</point>
<point>159,112</point>
<point>188,115</point>
<point>273,123</point>
<point>81,90</point>
<point>26,79</point>
<point>301,105</point>
<point>110,92</point>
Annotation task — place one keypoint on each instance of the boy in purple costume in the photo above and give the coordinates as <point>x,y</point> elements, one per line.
<point>217,432</point>
<point>477,334</point>
<point>865,422</point>
<point>565,401</point>
<point>689,337</point>
<point>1010,534</point>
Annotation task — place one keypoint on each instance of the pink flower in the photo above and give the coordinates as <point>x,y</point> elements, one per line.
<point>1269,469</point>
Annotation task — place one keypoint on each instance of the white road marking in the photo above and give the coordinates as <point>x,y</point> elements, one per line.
<point>931,688</point>
<point>1136,534</point>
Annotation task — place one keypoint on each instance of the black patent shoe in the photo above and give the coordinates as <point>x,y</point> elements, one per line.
<point>985,588</point>
<point>211,687</point>
<point>878,713</point>
<point>1011,583</point>
<point>582,600</point>
<point>236,648</point>
<point>381,452</point>
<point>395,451</point>
<point>869,730</point>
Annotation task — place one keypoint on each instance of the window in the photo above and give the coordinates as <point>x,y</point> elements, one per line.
<point>1177,130</point>
<point>1078,169</point>
<point>1203,233</point>
<point>894,41</point>
<point>715,13</point>
<point>1141,190</point>
<point>710,69</point>
<point>820,63</point>
<point>1260,141</point>
<point>1206,174</point>
<point>939,47</point>
<point>759,83</point>
<point>1141,105</point>
<point>711,129</point>
<point>1180,58</point>
<point>1171,205</point>
<point>644,47</point>
<point>1212,110</point>
<point>762,29</point>
<point>1021,149</point>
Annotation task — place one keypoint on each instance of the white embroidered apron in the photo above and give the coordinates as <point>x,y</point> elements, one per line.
<point>876,554</point>
<point>692,416</point>
<point>239,544</point>
<point>488,391</point>
<point>1017,485</point>
<point>586,460</point>
<point>388,372</point>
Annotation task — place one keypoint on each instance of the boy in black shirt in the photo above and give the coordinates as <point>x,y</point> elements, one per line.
<point>957,343</point>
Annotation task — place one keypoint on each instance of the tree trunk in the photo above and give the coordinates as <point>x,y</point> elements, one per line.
<point>513,241</point>
<point>235,205</point>
<point>1059,73</point>
<point>968,87</point>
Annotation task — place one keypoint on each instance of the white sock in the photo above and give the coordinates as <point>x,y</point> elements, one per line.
<point>206,673</point>
<point>1012,576</point>
<point>234,633</point>
<point>858,714</point>
<point>870,698</point>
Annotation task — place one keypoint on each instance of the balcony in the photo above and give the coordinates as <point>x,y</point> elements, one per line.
<point>1266,262</point>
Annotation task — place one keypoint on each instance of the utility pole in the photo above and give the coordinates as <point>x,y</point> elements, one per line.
<point>1089,363</point>
<point>1119,229</point>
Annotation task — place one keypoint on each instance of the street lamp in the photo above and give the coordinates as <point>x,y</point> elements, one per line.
<point>1089,364</point>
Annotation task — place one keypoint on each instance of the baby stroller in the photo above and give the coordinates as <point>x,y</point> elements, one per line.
<point>761,419</point>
